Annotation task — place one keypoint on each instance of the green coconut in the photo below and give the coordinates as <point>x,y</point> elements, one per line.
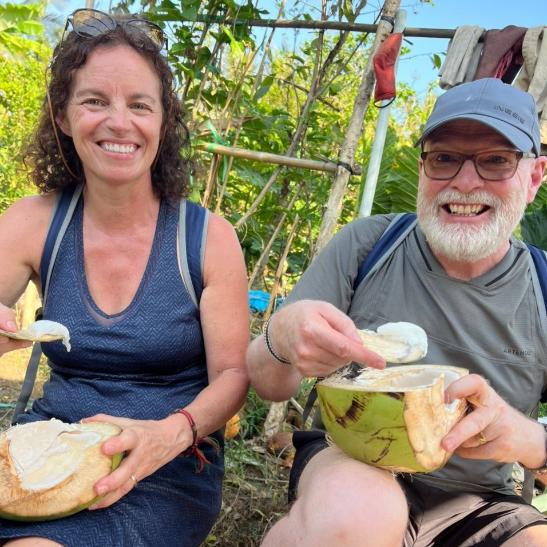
<point>48,468</point>
<point>393,418</point>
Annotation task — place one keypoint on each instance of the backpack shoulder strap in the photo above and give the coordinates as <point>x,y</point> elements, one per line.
<point>399,227</point>
<point>539,258</point>
<point>192,236</point>
<point>395,233</point>
<point>64,209</point>
<point>66,204</point>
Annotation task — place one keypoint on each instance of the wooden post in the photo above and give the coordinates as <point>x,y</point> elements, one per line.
<point>355,128</point>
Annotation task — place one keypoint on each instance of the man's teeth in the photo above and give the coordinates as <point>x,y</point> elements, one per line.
<point>119,148</point>
<point>465,210</point>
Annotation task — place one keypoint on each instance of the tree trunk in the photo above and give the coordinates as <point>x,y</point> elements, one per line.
<point>355,128</point>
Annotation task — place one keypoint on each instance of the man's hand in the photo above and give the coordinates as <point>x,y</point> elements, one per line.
<point>7,322</point>
<point>493,430</point>
<point>318,339</point>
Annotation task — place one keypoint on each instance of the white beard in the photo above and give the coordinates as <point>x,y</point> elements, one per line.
<point>464,242</point>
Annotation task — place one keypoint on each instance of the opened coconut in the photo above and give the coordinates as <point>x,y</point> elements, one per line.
<point>393,418</point>
<point>48,468</point>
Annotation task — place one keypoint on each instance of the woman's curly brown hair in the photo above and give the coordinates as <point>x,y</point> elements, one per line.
<point>172,167</point>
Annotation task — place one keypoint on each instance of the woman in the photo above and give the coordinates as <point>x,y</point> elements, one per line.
<point>141,347</point>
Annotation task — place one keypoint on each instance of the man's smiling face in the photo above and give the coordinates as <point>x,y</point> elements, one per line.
<point>468,218</point>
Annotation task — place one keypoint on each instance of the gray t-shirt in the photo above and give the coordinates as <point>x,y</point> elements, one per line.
<point>491,325</point>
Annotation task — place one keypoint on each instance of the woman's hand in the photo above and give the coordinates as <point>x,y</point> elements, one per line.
<point>7,322</point>
<point>149,445</point>
<point>318,339</point>
<point>493,430</point>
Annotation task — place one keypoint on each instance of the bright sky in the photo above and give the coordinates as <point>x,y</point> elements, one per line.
<point>416,69</point>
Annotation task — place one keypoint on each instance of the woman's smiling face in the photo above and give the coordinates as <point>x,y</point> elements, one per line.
<point>114,115</point>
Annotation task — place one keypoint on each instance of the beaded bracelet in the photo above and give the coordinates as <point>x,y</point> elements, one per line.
<point>269,344</point>
<point>194,449</point>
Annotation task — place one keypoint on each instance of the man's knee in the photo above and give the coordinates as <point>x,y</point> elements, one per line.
<point>343,497</point>
<point>533,536</point>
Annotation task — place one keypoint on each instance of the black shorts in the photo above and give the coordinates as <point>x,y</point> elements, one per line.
<point>436,517</point>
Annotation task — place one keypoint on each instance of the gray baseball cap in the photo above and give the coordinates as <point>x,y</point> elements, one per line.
<point>506,109</point>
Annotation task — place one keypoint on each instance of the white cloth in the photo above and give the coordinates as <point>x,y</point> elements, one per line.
<point>462,56</point>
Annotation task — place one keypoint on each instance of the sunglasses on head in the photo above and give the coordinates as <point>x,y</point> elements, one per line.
<point>88,23</point>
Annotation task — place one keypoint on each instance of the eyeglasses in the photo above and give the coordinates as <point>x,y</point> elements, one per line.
<point>490,165</point>
<point>89,23</point>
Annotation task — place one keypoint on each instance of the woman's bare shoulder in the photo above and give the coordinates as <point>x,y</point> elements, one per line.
<point>23,226</point>
<point>36,205</point>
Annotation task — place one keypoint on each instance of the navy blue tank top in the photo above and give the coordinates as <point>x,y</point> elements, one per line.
<point>140,363</point>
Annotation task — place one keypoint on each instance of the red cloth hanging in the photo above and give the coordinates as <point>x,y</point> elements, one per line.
<point>384,67</point>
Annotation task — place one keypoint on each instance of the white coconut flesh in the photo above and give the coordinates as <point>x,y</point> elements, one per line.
<point>42,331</point>
<point>399,342</point>
<point>393,418</point>
<point>50,467</point>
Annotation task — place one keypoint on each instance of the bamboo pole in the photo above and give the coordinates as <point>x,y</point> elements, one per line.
<point>267,157</point>
<point>355,128</point>
<point>418,32</point>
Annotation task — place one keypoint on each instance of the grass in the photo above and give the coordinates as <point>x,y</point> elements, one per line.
<point>254,496</point>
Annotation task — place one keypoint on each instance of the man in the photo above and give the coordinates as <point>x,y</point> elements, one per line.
<point>462,277</point>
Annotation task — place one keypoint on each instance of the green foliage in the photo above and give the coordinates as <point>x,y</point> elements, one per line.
<point>22,32</point>
<point>253,416</point>
<point>23,46</point>
<point>541,198</point>
<point>534,227</point>
<point>21,93</point>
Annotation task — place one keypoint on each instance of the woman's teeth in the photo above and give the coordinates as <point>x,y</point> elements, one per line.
<point>118,148</point>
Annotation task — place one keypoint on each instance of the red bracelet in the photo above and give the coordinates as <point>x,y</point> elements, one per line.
<point>192,426</point>
<point>193,449</point>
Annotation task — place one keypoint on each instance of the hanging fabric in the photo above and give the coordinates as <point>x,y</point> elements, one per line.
<point>462,56</point>
<point>533,76</point>
<point>501,54</point>
<point>384,67</point>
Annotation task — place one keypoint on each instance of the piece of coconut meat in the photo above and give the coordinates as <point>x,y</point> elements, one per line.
<point>399,342</point>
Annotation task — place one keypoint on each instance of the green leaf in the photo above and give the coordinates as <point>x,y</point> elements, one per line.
<point>534,227</point>
<point>264,87</point>
<point>436,60</point>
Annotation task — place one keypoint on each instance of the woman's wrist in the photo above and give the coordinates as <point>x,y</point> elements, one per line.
<point>193,449</point>
<point>180,430</point>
